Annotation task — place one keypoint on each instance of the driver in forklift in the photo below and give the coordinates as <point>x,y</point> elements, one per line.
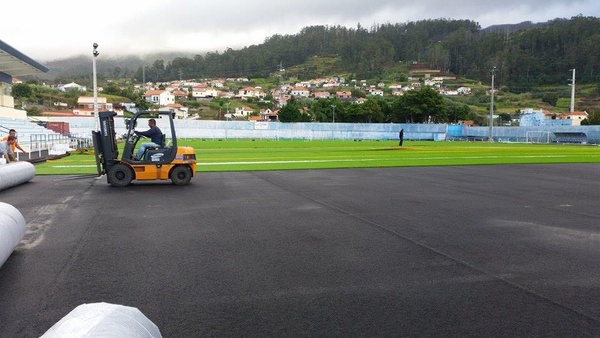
<point>155,136</point>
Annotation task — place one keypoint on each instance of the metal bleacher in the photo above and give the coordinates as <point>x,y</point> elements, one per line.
<point>570,137</point>
<point>36,140</point>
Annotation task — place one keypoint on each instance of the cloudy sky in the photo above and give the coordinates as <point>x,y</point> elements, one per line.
<point>50,30</point>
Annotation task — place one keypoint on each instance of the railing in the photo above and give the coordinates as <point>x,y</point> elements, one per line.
<point>40,145</point>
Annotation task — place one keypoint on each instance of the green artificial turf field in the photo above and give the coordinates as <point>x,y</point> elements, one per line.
<point>245,155</point>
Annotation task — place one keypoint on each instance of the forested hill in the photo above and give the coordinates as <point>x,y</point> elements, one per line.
<point>540,54</point>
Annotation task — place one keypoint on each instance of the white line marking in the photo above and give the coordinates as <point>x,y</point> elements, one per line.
<point>355,160</point>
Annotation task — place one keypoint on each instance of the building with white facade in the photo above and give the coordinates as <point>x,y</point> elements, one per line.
<point>159,97</point>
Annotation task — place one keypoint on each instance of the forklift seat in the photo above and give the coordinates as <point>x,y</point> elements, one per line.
<point>162,145</point>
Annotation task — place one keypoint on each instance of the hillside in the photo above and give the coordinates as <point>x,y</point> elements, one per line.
<point>532,60</point>
<point>526,54</point>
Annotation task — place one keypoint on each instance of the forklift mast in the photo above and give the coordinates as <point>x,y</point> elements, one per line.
<point>105,142</point>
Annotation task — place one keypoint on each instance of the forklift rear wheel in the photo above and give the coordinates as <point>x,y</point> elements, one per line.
<point>181,175</point>
<point>120,175</point>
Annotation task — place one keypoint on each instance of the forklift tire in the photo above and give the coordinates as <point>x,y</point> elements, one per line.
<point>181,175</point>
<point>120,175</point>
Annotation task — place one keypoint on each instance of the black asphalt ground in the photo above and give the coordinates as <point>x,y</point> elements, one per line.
<point>498,251</point>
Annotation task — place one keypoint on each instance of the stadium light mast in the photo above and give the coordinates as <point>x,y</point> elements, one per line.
<point>491,126</point>
<point>573,91</point>
<point>333,106</point>
<point>95,54</point>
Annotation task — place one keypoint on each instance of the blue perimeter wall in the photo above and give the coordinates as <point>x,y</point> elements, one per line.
<point>82,126</point>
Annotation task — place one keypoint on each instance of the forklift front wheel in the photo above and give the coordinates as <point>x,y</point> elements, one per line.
<point>120,175</point>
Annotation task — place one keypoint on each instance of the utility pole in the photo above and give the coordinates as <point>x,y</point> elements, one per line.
<point>95,54</point>
<point>491,126</point>
<point>573,91</point>
<point>333,106</point>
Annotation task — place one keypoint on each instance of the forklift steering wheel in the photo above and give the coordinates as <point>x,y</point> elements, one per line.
<point>133,138</point>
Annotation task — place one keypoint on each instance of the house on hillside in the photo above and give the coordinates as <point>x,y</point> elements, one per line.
<point>181,112</point>
<point>376,92</point>
<point>179,94</point>
<point>85,105</point>
<point>322,95</point>
<point>203,91</point>
<point>251,92</point>
<point>159,97</point>
<point>242,111</point>
<point>300,92</point>
<point>574,117</point>
<point>464,90</point>
<point>282,100</point>
<point>343,95</point>
<point>268,115</point>
<point>72,85</point>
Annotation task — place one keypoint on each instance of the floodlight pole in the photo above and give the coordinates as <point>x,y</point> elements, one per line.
<point>491,123</point>
<point>573,91</point>
<point>333,106</point>
<point>94,56</point>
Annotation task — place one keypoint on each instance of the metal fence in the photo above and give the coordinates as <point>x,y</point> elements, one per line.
<point>338,131</point>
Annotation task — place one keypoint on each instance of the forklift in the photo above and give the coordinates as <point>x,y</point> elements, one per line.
<point>161,163</point>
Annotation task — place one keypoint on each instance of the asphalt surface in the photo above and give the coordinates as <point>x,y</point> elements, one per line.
<point>449,251</point>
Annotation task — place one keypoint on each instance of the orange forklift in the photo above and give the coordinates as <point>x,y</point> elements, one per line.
<point>159,163</point>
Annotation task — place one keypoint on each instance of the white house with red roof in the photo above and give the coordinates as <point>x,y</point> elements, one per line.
<point>242,111</point>
<point>344,94</point>
<point>159,97</point>
<point>85,105</point>
<point>203,91</point>
<point>575,117</point>
<point>322,95</point>
<point>181,112</point>
<point>251,92</point>
<point>300,92</point>
<point>180,94</point>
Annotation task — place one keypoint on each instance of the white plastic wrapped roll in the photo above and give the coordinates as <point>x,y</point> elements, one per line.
<point>12,230</point>
<point>103,320</point>
<point>15,173</point>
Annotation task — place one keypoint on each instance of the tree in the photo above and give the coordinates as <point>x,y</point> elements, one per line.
<point>142,104</point>
<point>21,90</point>
<point>291,113</point>
<point>457,112</point>
<point>504,117</point>
<point>421,106</point>
<point>112,89</point>
<point>592,119</point>
<point>33,111</point>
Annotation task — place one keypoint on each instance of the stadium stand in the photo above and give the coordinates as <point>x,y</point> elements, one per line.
<point>33,138</point>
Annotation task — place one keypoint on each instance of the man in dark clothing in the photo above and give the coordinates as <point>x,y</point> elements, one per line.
<point>155,136</point>
<point>401,137</point>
